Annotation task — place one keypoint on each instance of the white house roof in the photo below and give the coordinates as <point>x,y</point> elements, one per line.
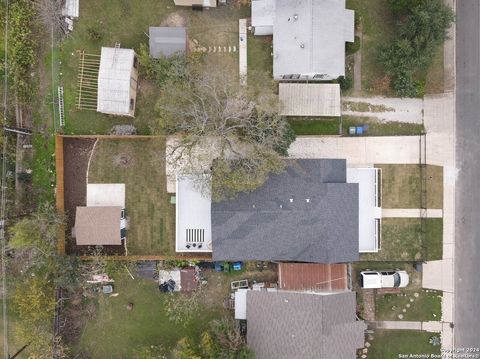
<point>114,80</point>
<point>309,37</point>
<point>106,194</point>
<point>307,99</point>
<point>193,217</point>
<point>370,213</point>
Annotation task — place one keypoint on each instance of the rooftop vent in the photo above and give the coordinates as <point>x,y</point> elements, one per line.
<point>291,200</point>
<point>295,17</point>
<point>307,200</point>
<point>302,45</point>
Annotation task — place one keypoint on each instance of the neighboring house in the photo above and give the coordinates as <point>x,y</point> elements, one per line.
<point>301,325</point>
<point>314,277</point>
<point>308,213</point>
<point>301,99</point>
<point>117,81</point>
<point>308,36</point>
<point>194,3</point>
<point>99,226</point>
<point>167,41</point>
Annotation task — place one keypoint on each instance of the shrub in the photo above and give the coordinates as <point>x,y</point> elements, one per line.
<point>346,82</point>
<point>353,47</point>
<point>93,34</point>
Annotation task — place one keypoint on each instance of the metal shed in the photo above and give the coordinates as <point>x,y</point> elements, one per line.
<point>305,99</point>
<point>117,81</point>
<point>167,41</point>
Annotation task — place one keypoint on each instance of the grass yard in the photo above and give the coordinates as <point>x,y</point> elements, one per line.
<point>101,25</point>
<point>389,344</point>
<point>402,240</point>
<point>425,305</point>
<point>115,332</point>
<point>140,164</point>
<point>401,186</point>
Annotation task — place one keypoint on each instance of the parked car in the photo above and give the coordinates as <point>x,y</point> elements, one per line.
<point>384,279</point>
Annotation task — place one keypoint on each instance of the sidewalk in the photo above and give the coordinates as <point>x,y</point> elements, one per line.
<point>410,213</point>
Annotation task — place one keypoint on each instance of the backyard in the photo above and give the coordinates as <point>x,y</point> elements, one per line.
<point>140,164</point>
<point>100,25</point>
<point>402,240</point>
<point>391,343</point>
<point>113,331</point>
<point>401,186</point>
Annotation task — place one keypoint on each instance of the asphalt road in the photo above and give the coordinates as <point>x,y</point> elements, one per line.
<point>467,248</point>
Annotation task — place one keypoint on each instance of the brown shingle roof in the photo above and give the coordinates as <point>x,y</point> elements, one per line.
<point>300,325</point>
<point>313,277</point>
<point>98,226</point>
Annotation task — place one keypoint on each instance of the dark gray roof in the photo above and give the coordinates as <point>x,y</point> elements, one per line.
<point>303,325</point>
<point>166,41</point>
<point>266,225</point>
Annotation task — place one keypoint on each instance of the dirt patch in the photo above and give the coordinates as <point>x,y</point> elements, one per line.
<point>174,20</point>
<point>76,154</point>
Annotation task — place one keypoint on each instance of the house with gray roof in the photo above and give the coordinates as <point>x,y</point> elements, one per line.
<point>303,325</point>
<point>308,36</point>
<point>167,41</point>
<point>308,213</point>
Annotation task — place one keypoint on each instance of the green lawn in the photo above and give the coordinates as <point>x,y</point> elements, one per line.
<point>402,240</point>
<point>140,164</point>
<point>389,344</point>
<point>425,307</point>
<point>116,332</point>
<point>315,126</point>
<point>401,186</point>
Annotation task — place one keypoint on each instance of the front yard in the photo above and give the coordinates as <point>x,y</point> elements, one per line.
<point>410,305</point>
<point>403,240</point>
<point>402,185</point>
<point>389,344</point>
<point>140,164</point>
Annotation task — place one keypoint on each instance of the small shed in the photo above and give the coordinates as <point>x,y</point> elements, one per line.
<point>98,226</point>
<point>117,81</point>
<point>307,99</point>
<point>71,8</point>
<point>167,41</point>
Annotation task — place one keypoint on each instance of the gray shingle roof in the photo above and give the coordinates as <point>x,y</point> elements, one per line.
<point>307,214</point>
<point>166,41</point>
<point>285,325</point>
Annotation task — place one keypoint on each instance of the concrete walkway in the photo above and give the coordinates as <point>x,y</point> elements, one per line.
<point>242,40</point>
<point>410,213</point>
<point>395,109</point>
<point>406,325</point>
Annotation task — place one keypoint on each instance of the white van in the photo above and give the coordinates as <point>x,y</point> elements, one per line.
<point>384,279</point>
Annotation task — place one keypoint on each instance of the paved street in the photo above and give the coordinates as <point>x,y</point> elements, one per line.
<point>467,249</point>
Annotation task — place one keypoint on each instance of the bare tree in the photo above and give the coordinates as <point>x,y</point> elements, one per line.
<point>215,117</point>
<point>49,14</point>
